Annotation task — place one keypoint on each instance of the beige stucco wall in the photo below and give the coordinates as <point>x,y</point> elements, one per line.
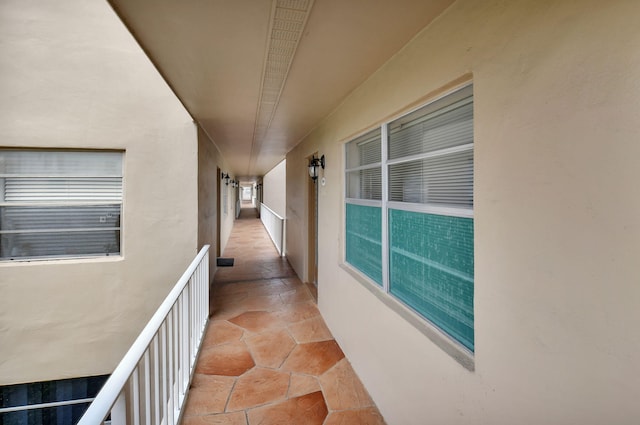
<point>557,235</point>
<point>275,189</point>
<point>296,226</point>
<point>71,76</point>
<point>209,161</point>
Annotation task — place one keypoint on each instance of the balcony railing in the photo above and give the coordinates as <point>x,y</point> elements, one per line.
<point>274,225</point>
<point>150,384</point>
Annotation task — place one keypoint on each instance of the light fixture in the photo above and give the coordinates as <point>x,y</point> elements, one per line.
<point>224,176</point>
<point>314,165</point>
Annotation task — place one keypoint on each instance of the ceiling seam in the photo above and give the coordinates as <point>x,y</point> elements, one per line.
<point>285,33</point>
<point>264,67</point>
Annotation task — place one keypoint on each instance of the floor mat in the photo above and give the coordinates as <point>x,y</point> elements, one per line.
<point>224,262</point>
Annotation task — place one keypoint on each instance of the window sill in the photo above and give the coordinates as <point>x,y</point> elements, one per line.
<point>459,353</point>
<point>56,261</point>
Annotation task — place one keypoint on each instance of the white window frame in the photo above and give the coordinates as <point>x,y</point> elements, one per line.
<point>447,343</point>
<point>71,202</point>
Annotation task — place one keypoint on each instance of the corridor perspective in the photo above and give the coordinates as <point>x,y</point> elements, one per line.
<point>267,356</point>
<point>455,177</point>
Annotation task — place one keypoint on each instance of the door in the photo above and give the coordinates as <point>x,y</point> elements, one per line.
<point>312,226</point>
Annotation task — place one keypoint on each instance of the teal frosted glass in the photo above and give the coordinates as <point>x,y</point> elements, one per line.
<point>364,240</point>
<point>431,269</point>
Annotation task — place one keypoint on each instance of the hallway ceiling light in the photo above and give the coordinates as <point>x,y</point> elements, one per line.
<point>314,165</point>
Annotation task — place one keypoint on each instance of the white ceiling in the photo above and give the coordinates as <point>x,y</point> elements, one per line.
<point>258,75</point>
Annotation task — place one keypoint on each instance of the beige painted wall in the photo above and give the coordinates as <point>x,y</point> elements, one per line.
<point>209,160</point>
<point>71,76</point>
<point>275,189</point>
<point>296,249</point>
<point>557,235</point>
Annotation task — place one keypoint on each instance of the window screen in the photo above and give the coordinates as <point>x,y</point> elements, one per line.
<point>59,203</point>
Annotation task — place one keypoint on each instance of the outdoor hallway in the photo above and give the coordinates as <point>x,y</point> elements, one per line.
<point>267,356</point>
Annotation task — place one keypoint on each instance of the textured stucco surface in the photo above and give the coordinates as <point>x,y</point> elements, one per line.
<point>209,160</point>
<point>71,76</point>
<point>556,157</point>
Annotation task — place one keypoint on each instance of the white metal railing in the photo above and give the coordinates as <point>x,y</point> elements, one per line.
<point>150,384</point>
<point>39,406</point>
<point>274,225</point>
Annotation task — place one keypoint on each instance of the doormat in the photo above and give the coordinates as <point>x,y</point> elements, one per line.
<point>225,262</point>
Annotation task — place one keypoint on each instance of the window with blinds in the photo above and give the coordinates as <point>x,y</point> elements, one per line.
<point>364,167</point>
<point>431,154</point>
<point>424,159</point>
<point>56,204</point>
<point>363,176</point>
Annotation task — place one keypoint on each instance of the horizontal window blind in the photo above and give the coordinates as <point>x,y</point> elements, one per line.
<point>68,189</point>
<point>364,150</point>
<point>438,130</point>
<point>364,167</point>
<point>431,153</point>
<point>365,184</point>
<point>443,180</point>
<point>60,163</point>
<point>59,203</point>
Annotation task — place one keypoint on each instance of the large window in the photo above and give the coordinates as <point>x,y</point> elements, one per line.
<point>409,211</point>
<point>57,204</point>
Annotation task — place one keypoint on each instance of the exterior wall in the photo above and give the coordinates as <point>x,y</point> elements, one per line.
<point>209,160</point>
<point>71,76</point>
<point>296,230</point>
<point>275,189</point>
<point>556,230</point>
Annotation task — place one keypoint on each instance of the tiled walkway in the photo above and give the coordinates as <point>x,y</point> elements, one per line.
<point>268,357</point>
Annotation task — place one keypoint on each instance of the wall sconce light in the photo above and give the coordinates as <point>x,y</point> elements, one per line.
<point>225,177</point>
<point>314,166</point>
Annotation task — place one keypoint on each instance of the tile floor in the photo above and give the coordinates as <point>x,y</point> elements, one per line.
<point>268,357</point>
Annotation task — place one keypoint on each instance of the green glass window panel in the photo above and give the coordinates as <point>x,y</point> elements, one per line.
<point>431,269</point>
<point>364,240</point>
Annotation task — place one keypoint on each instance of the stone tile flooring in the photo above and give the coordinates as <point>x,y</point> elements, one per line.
<point>268,357</point>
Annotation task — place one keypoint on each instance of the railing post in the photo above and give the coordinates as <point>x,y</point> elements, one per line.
<point>119,409</point>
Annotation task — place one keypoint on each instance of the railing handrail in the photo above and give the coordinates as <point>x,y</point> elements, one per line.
<point>274,224</point>
<point>106,398</point>
<point>272,211</point>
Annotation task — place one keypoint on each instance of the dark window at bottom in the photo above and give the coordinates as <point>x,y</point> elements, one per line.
<point>48,392</point>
